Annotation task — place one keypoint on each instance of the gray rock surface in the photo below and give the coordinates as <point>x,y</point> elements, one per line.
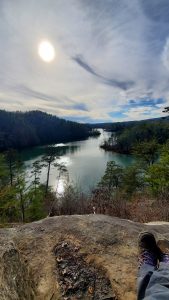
<point>97,249</point>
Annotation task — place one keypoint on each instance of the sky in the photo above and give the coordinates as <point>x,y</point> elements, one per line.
<point>111,58</point>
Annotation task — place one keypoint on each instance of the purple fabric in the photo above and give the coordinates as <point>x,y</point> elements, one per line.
<point>165,258</point>
<point>146,257</point>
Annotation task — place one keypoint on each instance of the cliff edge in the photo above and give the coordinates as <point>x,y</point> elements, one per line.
<point>72,257</point>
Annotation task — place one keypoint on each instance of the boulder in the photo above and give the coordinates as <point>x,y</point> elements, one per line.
<point>72,257</point>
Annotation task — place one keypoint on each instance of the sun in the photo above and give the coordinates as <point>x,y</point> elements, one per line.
<point>46,51</point>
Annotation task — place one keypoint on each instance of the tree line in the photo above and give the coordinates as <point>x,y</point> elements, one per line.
<point>22,196</point>
<point>19,130</point>
<point>139,191</point>
<point>125,138</point>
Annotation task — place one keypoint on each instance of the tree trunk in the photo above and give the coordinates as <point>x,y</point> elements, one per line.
<point>35,184</point>
<point>22,208</point>
<point>10,170</point>
<point>47,181</point>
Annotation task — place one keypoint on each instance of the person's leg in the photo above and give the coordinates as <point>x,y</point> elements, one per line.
<point>144,274</point>
<point>148,255</point>
<point>158,285</point>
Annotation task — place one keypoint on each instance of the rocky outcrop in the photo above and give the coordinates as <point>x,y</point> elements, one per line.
<point>72,257</point>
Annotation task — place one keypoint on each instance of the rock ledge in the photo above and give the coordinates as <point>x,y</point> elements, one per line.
<point>72,257</point>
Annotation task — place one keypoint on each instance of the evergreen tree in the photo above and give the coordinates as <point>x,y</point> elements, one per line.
<point>21,188</point>
<point>35,173</point>
<point>50,159</point>
<point>147,151</point>
<point>11,158</point>
<point>133,180</point>
<point>113,176</point>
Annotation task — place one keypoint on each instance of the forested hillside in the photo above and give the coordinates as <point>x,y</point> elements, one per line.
<point>19,130</point>
<point>120,126</point>
<point>127,135</point>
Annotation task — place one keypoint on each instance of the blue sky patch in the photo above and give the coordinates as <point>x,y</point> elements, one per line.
<point>117,114</point>
<point>145,102</point>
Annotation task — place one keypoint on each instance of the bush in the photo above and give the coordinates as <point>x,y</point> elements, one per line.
<point>72,201</point>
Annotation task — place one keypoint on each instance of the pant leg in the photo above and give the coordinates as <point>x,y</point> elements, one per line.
<point>158,286</point>
<point>144,274</point>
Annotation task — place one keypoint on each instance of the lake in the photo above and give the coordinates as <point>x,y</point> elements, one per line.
<point>85,162</point>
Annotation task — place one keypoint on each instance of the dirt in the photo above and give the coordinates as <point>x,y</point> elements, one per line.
<point>72,257</point>
<point>78,279</point>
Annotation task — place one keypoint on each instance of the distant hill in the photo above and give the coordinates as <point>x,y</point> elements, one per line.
<point>126,135</point>
<point>116,126</point>
<point>25,129</point>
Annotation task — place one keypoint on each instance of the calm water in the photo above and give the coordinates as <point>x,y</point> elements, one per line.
<point>85,162</point>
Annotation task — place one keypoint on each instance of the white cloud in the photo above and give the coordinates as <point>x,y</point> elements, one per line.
<point>121,41</point>
<point>165,54</point>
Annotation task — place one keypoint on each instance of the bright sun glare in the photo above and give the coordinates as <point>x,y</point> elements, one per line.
<point>46,51</point>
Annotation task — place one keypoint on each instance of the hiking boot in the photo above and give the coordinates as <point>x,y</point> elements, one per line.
<point>164,247</point>
<point>148,249</point>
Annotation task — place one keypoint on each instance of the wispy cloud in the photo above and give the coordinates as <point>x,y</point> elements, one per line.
<point>50,101</point>
<point>109,81</point>
<point>80,106</point>
<point>28,92</point>
<point>111,62</point>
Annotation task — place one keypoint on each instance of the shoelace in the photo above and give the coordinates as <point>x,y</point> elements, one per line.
<point>165,258</point>
<point>147,257</point>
